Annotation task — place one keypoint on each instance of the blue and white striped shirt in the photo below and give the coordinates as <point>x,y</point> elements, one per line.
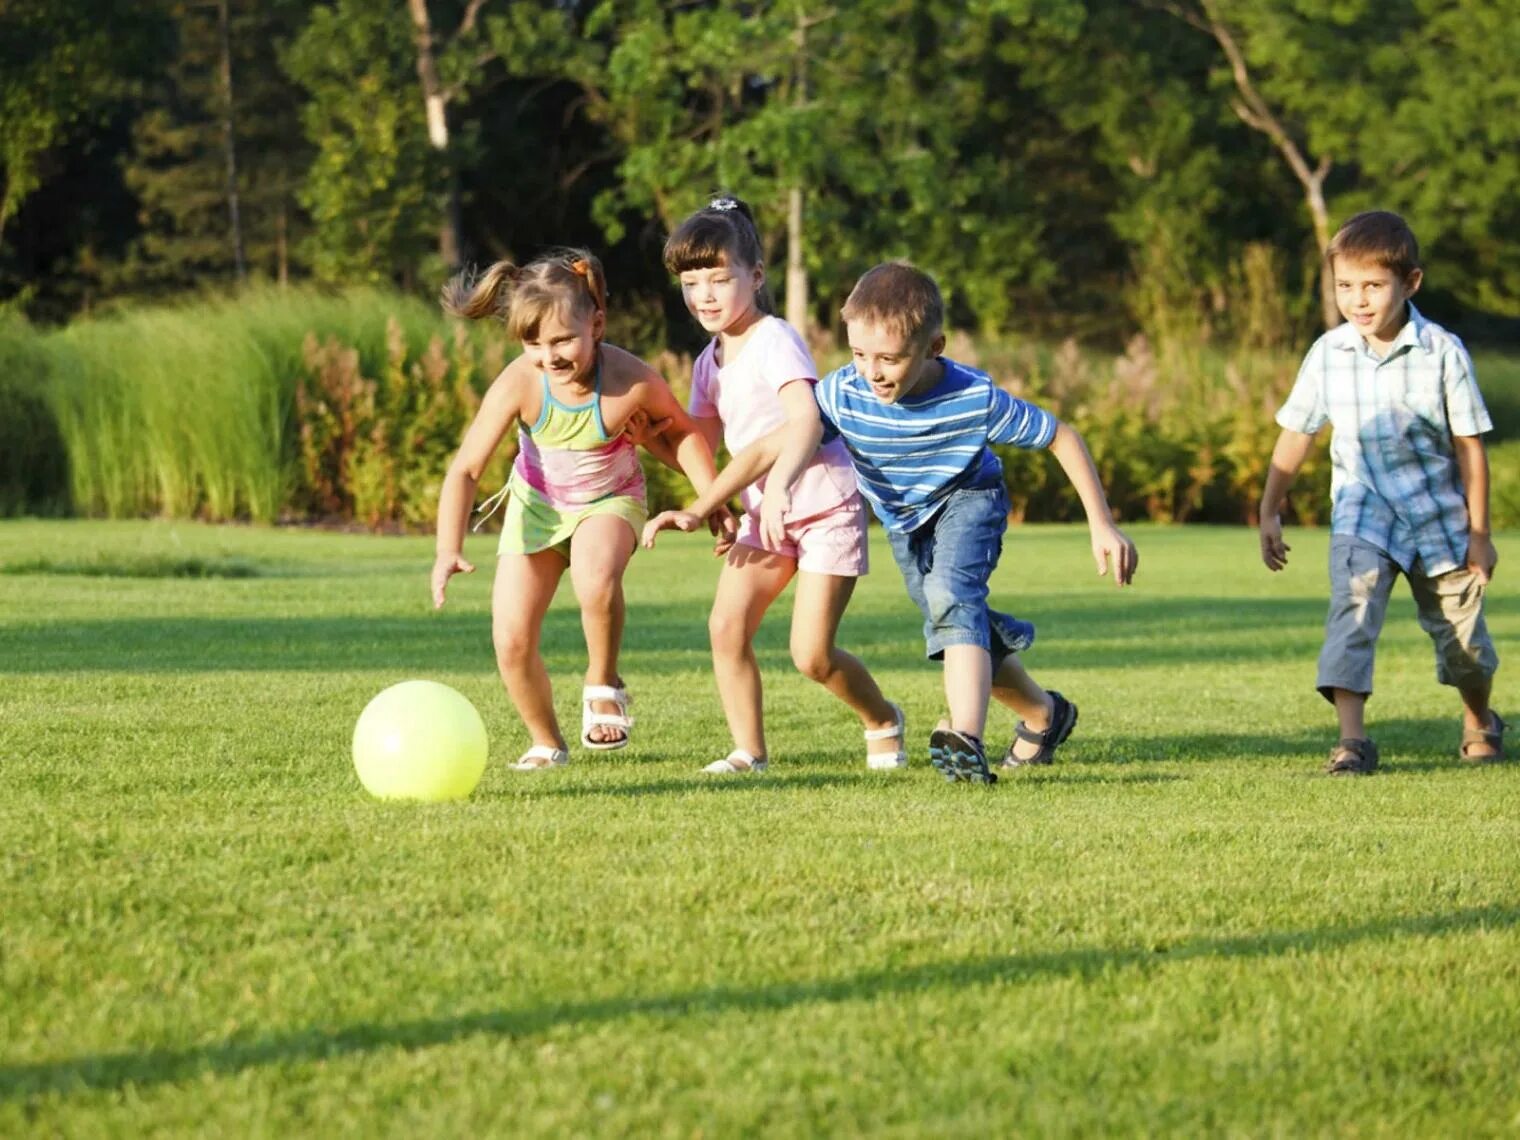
<point>910,456</point>
<point>1395,481</point>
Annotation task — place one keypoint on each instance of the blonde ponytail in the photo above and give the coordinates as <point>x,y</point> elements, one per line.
<point>488,295</point>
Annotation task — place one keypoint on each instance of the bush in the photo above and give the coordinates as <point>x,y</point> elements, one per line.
<point>34,475</point>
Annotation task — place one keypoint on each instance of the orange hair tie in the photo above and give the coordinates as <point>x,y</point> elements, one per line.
<point>582,268</point>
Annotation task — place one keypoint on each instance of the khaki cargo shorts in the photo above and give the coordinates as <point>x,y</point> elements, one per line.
<point>1450,608</point>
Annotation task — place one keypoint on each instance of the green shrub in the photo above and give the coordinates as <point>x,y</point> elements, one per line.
<point>34,476</point>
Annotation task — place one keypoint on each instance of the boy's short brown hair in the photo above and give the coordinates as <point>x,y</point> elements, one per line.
<point>899,297</point>
<point>1378,236</point>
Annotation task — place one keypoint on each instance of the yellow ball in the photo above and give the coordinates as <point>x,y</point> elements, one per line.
<point>420,740</point>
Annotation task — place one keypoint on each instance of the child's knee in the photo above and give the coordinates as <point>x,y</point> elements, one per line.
<point>814,661</point>
<point>514,645</point>
<point>726,630</point>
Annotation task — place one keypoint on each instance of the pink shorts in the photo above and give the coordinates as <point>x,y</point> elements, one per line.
<point>831,543</point>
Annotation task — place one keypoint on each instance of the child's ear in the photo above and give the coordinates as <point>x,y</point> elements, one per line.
<point>1412,282</point>
<point>936,346</point>
<point>598,324</point>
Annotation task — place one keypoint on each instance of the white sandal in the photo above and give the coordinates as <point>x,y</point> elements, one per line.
<point>539,757</point>
<point>883,760</point>
<point>736,763</point>
<point>620,719</point>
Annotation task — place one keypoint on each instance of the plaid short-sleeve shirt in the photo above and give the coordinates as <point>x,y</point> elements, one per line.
<point>1395,481</point>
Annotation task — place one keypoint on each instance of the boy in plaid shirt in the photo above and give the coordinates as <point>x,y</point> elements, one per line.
<point>1409,490</point>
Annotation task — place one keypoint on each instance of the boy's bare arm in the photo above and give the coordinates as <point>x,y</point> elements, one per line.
<point>1288,455</point>
<point>1109,543</point>
<point>1472,462</point>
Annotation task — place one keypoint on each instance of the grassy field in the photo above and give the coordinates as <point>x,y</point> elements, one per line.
<point>1180,928</point>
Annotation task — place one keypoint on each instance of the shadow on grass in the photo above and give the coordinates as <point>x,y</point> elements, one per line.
<point>112,1071</point>
<point>1167,631</point>
<point>1406,745</point>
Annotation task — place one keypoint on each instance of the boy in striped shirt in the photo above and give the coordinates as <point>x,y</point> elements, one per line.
<point>918,429</point>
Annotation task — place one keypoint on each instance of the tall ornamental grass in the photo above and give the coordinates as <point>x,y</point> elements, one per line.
<point>189,411</point>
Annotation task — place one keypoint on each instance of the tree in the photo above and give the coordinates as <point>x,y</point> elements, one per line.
<point>373,178</point>
<point>217,158</point>
<point>1303,75</point>
<point>462,55</point>
<point>60,66</point>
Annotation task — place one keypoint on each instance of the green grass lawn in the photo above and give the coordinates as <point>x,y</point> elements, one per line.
<point>1180,928</point>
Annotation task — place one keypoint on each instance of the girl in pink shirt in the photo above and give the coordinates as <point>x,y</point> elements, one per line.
<point>755,376</point>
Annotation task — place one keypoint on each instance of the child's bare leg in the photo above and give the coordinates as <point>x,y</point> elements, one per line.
<point>524,587</point>
<point>599,554</point>
<point>750,582</point>
<point>968,684</point>
<point>1350,710</point>
<point>1016,689</point>
<point>817,608</point>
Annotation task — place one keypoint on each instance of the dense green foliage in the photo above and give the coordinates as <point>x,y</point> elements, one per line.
<point>345,408</point>
<point>1088,166</point>
<point>1180,928</point>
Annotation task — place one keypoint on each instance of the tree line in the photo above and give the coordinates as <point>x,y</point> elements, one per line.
<point>1083,167</point>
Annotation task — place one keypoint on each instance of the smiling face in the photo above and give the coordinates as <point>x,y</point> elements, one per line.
<point>563,346</point>
<point>892,362</point>
<point>722,297</point>
<point>1373,298</point>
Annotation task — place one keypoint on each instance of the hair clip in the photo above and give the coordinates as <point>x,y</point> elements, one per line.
<point>724,204</point>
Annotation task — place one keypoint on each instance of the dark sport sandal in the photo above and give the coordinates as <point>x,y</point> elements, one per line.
<point>1353,758</point>
<point>1493,737</point>
<point>1063,718</point>
<point>960,757</point>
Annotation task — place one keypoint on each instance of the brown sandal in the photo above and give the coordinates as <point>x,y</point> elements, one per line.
<point>1493,737</point>
<point>1353,757</point>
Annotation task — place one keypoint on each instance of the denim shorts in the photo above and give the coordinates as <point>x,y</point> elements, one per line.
<point>1450,608</point>
<point>946,564</point>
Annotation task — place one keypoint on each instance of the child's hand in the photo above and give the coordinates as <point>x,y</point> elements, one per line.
<point>773,510</point>
<point>641,429</point>
<point>1274,551</point>
<point>724,528</point>
<point>1111,543</point>
<point>680,520</point>
<point>445,568</point>
<point>1481,557</point>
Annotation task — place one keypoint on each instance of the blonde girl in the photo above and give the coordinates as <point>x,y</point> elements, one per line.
<point>575,497</point>
<point>807,523</point>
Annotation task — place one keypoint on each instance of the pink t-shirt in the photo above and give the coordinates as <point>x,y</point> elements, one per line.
<point>744,394</point>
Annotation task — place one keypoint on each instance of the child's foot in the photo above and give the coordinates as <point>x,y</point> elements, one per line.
<point>539,757</point>
<point>604,716</point>
<point>1038,745</point>
<point>885,745</point>
<point>959,756</point>
<point>737,763</point>
<point>1484,745</point>
<point>1353,758</point>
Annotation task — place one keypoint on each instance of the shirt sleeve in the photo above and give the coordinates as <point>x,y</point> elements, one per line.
<point>825,392</point>
<point>1466,412</point>
<point>701,404</point>
<point>1304,410</point>
<point>1018,422</point>
<point>787,359</point>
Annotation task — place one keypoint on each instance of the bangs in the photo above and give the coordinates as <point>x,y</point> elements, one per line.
<point>701,242</point>
<point>530,308</point>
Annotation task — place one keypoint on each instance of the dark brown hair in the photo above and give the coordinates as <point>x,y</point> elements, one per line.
<point>899,297</point>
<point>1378,236</point>
<point>567,281</point>
<point>721,233</point>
